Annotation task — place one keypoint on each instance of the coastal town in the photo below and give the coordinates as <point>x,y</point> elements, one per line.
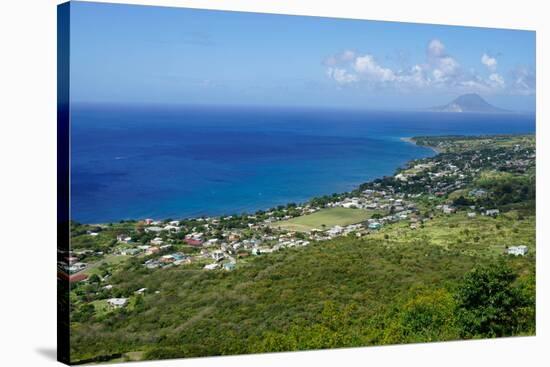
<point>451,183</point>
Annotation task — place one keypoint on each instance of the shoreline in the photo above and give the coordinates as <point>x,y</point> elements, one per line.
<point>409,140</point>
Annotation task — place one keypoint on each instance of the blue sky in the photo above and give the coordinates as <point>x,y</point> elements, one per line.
<point>145,54</point>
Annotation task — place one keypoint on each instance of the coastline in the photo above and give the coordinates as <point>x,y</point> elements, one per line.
<point>411,140</point>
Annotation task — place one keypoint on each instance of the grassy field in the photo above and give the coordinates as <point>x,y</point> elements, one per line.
<point>110,260</point>
<point>480,236</point>
<point>328,217</point>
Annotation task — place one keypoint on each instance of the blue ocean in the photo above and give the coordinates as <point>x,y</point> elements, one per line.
<point>135,162</point>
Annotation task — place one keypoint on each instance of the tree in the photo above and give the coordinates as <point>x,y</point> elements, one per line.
<point>489,303</point>
<point>94,279</point>
<point>426,317</point>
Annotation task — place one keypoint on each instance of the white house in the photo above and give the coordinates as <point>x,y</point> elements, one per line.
<point>141,291</point>
<point>117,302</point>
<point>492,212</point>
<point>153,229</point>
<point>157,241</point>
<point>334,231</point>
<point>218,255</point>
<point>375,225</point>
<point>448,209</point>
<point>517,250</point>
<point>211,266</point>
<point>77,267</point>
<point>123,238</point>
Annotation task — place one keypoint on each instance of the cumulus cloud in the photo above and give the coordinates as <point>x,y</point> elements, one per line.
<point>341,76</point>
<point>440,70</point>
<point>366,66</point>
<point>524,80</point>
<point>496,80</point>
<point>489,61</point>
<point>436,48</point>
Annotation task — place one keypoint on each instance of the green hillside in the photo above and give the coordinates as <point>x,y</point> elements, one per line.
<point>345,292</point>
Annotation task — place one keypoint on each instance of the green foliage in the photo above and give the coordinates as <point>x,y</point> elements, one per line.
<point>426,317</point>
<point>489,303</point>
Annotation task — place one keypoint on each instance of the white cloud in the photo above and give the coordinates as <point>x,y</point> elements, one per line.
<point>436,48</point>
<point>440,70</point>
<point>345,56</point>
<point>341,76</point>
<point>489,61</point>
<point>369,68</point>
<point>524,80</point>
<point>496,80</point>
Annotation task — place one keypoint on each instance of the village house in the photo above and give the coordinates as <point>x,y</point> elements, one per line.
<point>153,229</point>
<point>78,278</point>
<point>124,238</point>
<point>157,241</point>
<point>218,255</point>
<point>335,231</point>
<point>171,228</point>
<point>448,209</point>
<point>229,266</point>
<point>77,267</point>
<point>117,302</point>
<point>130,251</point>
<point>517,250</point>
<point>193,242</point>
<point>375,225</point>
<point>152,250</point>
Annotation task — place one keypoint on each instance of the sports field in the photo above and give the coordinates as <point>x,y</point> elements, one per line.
<point>324,219</point>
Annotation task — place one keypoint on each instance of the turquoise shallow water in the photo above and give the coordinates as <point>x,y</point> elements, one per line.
<point>159,162</point>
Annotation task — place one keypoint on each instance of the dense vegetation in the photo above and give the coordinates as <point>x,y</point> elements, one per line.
<point>346,292</point>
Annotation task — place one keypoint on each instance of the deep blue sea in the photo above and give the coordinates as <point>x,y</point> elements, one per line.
<point>158,162</point>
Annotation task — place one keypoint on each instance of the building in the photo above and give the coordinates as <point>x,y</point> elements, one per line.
<point>157,241</point>
<point>77,267</point>
<point>152,250</point>
<point>492,212</point>
<point>517,250</point>
<point>77,278</point>
<point>218,255</point>
<point>117,302</point>
<point>123,238</point>
<point>153,229</point>
<point>374,225</point>
<point>193,242</point>
<point>229,266</point>
<point>334,231</point>
<point>448,209</point>
<point>130,251</point>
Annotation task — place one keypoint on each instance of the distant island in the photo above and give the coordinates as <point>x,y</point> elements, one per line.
<point>469,103</point>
